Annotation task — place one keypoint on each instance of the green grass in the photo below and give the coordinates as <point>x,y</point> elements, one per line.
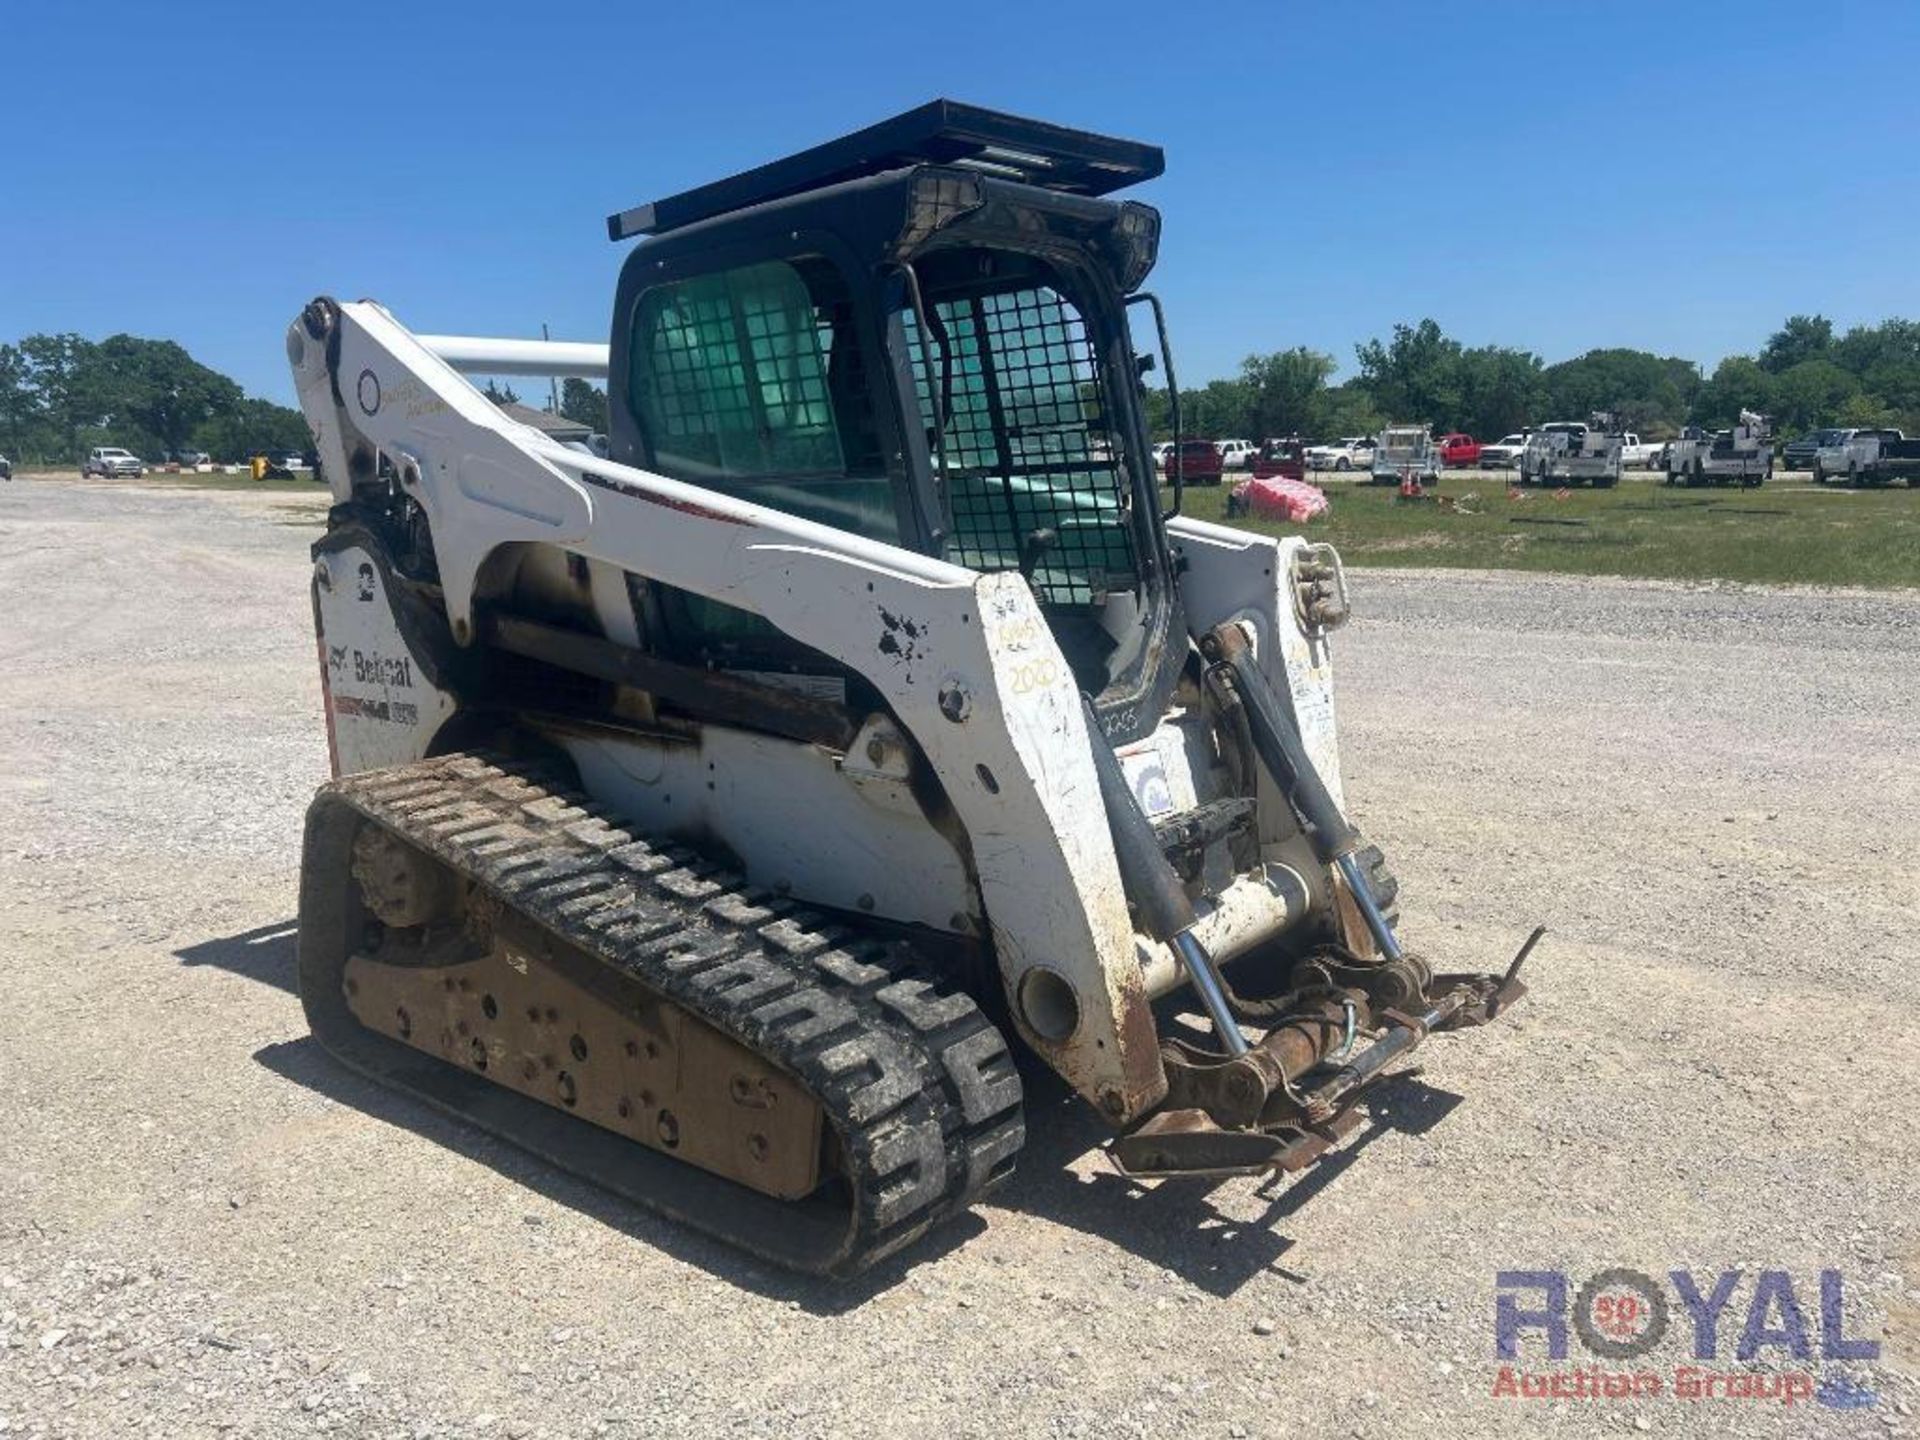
<point>1785,532</point>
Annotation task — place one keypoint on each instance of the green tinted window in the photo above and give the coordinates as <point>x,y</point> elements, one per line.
<point>751,381</point>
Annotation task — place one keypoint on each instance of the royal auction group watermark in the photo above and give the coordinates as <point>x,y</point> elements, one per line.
<point>1766,1336</point>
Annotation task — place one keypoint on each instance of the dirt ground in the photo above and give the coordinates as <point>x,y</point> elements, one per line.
<point>1709,793</point>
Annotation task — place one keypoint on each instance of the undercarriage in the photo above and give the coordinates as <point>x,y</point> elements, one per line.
<point>475,933</point>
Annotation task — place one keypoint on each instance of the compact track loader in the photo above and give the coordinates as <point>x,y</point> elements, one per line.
<point>716,818</point>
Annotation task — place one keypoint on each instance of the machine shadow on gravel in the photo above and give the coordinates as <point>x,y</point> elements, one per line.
<point>306,1063</point>
<point>1176,1224</point>
<point>264,953</point>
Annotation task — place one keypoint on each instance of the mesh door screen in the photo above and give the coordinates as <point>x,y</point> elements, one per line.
<point>1029,444</point>
<point>750,381</point>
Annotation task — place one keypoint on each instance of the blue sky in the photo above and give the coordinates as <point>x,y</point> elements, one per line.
<point>1552,175</point>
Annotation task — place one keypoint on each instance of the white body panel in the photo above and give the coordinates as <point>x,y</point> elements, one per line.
<point>1845,457</point>
<point>1834,459</point>
<point>382,708</point>
<point>860,845</point>
<point>1237,575</point>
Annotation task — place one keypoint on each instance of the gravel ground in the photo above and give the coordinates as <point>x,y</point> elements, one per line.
<point>207,1228</point>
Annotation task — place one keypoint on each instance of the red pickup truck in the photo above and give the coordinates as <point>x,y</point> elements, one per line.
<point>1458,451</point>
<point>1281,458</point>
<point>1199,462</point>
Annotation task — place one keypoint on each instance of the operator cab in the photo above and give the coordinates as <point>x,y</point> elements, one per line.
<point>917,334</point>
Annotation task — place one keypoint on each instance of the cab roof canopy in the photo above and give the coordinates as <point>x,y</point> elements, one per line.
<point>941,132</point>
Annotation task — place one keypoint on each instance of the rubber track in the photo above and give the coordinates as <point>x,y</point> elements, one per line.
<point>918,1084</point>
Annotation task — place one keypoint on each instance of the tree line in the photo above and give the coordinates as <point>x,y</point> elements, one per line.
<point>60,395</point>
<point>1805,377</point>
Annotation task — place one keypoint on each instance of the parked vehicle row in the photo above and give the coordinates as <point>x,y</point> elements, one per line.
<point>112,461</point>
<point>1454,450</point>
<point>1566,452</point>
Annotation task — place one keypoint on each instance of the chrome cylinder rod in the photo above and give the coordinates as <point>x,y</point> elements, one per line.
<point>1362,891</point>
<point>1206,984</point>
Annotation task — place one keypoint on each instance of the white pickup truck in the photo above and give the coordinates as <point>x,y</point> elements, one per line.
<point>1353,452</point>
<point>1869,457</point>
<point>1635,451</point>
<point>1236,454</point>
<point>105,460</point>
<point>1504,453</point>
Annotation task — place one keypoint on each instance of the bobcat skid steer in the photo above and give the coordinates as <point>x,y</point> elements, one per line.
<point>716,818</point>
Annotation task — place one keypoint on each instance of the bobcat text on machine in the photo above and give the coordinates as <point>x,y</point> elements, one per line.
<point>715,819</point>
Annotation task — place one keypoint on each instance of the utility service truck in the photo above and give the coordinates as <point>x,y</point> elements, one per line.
<point>720,818</point>
<point>1740,456</point>
<point>1567,452</point>
<point>1404,453</point>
